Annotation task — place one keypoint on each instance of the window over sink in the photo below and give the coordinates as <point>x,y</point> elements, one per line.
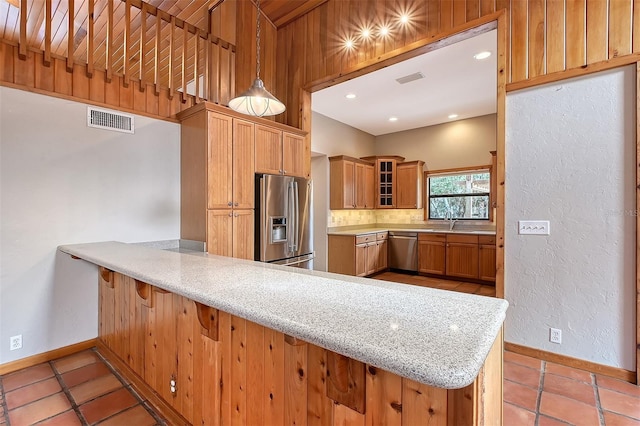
<point>461,194</point>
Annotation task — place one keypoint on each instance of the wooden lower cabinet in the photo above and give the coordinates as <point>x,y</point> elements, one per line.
<point>228,370</point>
<point>230,233</point>
<point>359,255</point>
<point>431,253</point>
<point>487,258</point>
<point>462,256</point>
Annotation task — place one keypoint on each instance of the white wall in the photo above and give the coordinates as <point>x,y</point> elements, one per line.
<point>570,159</point>
<point>63,183</point>
<point>461,143</point>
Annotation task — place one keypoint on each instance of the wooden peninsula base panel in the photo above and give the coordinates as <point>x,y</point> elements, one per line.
<point>202,366</point>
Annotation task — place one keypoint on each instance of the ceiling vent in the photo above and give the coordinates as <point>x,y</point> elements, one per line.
<point>409,78</point>
<point>110,120</point>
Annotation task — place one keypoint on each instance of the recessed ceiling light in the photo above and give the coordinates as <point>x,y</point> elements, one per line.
<point>482,55</point>
<point>350,96</point>
<point>404,18</point>
<point>392,119</point>
<point>384,31</point>
<point>452,116</point>
<point>349,44</point>
<point>366,32</point>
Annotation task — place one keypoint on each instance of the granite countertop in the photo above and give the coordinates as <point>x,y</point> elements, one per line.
<point>435,337</point>
<point>427,230</point>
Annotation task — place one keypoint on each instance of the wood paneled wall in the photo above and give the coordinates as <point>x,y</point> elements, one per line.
<point>544,37</point>
<point>228,370</point>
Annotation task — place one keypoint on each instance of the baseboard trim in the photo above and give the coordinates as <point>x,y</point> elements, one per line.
<point>30,361</point>
<point>140,386</point>
<point>605,370</point>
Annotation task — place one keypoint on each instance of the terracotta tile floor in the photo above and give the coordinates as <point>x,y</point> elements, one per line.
<point>460,286</point>
<point>80,389</point>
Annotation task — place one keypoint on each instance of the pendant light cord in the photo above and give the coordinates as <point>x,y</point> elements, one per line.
<point>258,40</point>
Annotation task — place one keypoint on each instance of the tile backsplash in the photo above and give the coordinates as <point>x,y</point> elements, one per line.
<point>372,217</point>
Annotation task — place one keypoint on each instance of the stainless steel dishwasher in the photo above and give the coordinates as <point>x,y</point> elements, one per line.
<point>403,250</point>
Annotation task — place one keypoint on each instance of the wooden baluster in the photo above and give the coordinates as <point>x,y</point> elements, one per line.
<point>22,48</point>
<point>109,42</point>
<point>70,35</point>
<point>185,35</point>
<point>215,72</point>
<point>172,35</point>
<point>156,58</point>
<point>207,59</point>
<point>47,33</point>
<point>143,39</point>
<point>196,61</point>
<point>127,43</point>
<point>90,37</point>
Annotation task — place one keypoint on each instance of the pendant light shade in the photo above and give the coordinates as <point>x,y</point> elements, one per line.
<point>257,101</point>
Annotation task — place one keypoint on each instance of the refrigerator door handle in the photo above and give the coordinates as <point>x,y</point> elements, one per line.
<point>296,204</point>
<point>291,217</point>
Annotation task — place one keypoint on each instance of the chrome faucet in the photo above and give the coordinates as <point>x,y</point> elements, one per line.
<point>449,217</point>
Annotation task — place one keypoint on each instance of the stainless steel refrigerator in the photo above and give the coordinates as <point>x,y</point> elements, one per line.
<point>284,221</point>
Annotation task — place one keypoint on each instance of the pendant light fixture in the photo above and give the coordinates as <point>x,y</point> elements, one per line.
<point>257,101</point>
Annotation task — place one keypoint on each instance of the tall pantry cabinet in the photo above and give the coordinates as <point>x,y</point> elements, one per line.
<point>217,168</point>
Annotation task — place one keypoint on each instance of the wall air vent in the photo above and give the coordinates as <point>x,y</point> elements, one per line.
<point>409,78</point>
<point>110,120</point>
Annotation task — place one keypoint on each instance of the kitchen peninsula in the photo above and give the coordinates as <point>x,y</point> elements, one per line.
<point>220,340</point>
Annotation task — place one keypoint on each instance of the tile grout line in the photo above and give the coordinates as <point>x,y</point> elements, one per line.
<point>75,407</point>
<point>596,391</point>
<point>543,367</point>
<point>3,404</point>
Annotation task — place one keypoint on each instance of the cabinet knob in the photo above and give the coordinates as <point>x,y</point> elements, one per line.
<point>229,203</point>
<point>230,214</point>
<point>235,215</point>
<point>235,204</point>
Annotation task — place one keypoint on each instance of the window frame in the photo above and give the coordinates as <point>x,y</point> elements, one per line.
<point>460,170</point>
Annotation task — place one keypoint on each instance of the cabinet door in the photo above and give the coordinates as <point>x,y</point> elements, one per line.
<point>293,155</point>
<point>407,187</point>
<point>369,187</point>
<point>386,183</point>
<point>358,186</point>
<point>487,262</point>
<point>219,164</point>
<point>361,260</point>
<point>349,184</point>
<point>220,232</point>
<point>243,226</point>
<point>372,258</point>
<point>268,150</point>
<point>431,257</point>
<point>243,158</point>
<point>462,260</point>
<point>382,255</point>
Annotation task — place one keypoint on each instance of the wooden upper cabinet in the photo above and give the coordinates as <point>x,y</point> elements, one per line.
<point>386,180</point>
<point>219,161</point>
<point>294,155</point>
<point>351,183</point>
<point>409,185</point>
<point>268,150</point>
<point>281,153</point>
<point>243,157</point>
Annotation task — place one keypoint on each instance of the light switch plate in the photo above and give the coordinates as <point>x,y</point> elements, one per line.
<point>533,227</point>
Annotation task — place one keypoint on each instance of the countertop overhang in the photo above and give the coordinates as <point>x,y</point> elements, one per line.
<point>435,337</point>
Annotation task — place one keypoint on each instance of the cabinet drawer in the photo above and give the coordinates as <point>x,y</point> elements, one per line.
<point>440,238</point>
<point>487,239</point>
<point>365,238</point>
<point>462,238</point>
<point>382,236</point>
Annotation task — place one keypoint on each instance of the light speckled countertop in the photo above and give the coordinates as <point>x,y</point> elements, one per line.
<point>435,337</point>
<point>385,229</point>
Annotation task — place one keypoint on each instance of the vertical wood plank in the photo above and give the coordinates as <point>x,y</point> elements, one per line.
<point>63,83</point>
<point>620,24</point>
<point>487,7</point>
<point>169,349</point>
<point>226,359</point>
<point>575,33</point>
<point>274,377</point>
<point>96,87</point>
<point>43,75</point>
<point>196,63</point>
<point>126,94</point>
<point>238,371</point>
<point>7,62</point>
<point>127,44</point>
<point>505,32</point>
<point>460,406</point>
<point>446,14</point>
<point>183,71</point>
<point>151,102</point>
<point>637,217</point>
<point>139,96</point>
<point>422,404</point>
<point>47,33</point>
<point>22,47</point>
<point>295,364</point>
<point>185,325</point>
<point>207,67</point>
<point>90,37</point>
<point>597,36</point>
<point>536,46</point>
<point>433,17</point>
<point>211,379</point>
<point>519,31</point>
<point>555,35</point>
<point>25,70</point>
<point>172,36</point>
<point>473,9</point>
<point>257,394</point>
<point>109,42</point>
<point>80,82</point>
<point>70,35</point>
<point>319,407</point>
<point>142,46</point>
<point>156,57</point>
<point>345,416</point>
<point>384,397</point>
<point>636,33</point>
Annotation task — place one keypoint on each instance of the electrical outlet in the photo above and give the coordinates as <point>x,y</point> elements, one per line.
<point>533,227</point>
<point>15,342</point>
<point>555,335</point>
